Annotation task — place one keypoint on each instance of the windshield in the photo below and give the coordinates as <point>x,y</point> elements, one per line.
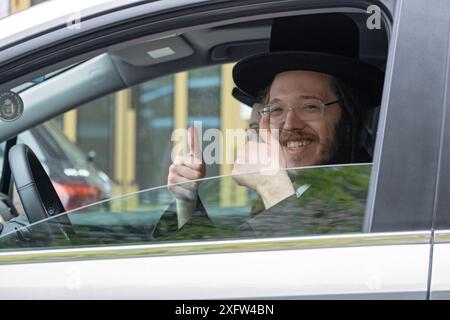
<point>42,78</point>
<point>59,145</point>
<point>328,200</point>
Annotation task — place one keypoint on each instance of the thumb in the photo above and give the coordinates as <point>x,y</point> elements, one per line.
<point>264,129</point>
<point>194,144</point>
<point>264,122</point>
<point>271,138</point>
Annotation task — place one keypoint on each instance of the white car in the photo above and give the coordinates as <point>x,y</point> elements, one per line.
<point>370,230</point>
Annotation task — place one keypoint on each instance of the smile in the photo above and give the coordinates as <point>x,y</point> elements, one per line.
<point>297,144</point>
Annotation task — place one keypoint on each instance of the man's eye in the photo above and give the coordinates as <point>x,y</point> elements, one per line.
<point>310,107</point>
<point>265,111</point>
<point>275,111</point>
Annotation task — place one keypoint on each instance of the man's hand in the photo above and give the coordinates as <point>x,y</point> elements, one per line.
<point>180,182</point>
<point>185,169</point>
<point>260,165</point>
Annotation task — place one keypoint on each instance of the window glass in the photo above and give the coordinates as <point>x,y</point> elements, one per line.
<point>204,104</point>
<point>59,122</point>
<point>155,122</point>
<point>329,200</point>
<point>35,2</point>
<point>77,181</point>
<point>95,133</point>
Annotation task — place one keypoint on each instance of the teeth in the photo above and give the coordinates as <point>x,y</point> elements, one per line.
<point>296,144</point>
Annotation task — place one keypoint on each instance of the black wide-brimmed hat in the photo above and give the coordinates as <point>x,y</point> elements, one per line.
<point>243,97</point>
<point>326,43</point>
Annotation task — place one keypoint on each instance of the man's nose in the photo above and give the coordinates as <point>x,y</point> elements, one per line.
<point>293,121</point>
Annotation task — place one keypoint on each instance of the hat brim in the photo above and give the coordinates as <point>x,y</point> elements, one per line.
<point>242,97</point>
<point>255,73</point>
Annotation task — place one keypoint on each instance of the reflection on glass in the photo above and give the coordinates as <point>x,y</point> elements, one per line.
<point>95,129</point>
<point>154,129</point>
<point>204,102</point>
<point>331,200</point>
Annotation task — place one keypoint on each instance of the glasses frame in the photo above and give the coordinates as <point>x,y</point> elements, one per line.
<point>263,112</point>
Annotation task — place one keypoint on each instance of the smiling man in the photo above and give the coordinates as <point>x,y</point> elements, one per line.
<point>315,92</point>
<point>316,130</point>
<point>307,128</point>
<point>311,132</point>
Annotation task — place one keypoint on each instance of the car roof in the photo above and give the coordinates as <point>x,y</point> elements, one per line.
<point>52,14</point>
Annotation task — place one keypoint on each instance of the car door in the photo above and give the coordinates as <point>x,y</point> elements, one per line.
<point>439,280</point>
<point>388,259</point>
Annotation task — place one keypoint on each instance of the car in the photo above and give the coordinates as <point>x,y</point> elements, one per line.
<point>369,230</point>
<point>76,179</point>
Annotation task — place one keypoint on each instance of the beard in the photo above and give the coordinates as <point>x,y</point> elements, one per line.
<point>341,151</point>
<point>337,149</point>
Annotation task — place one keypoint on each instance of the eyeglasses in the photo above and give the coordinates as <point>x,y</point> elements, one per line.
<point>308,110</point>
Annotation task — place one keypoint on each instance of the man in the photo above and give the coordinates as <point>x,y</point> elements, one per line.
<point>251,102</point>
<point>252,134</point>
<point>315,91</point>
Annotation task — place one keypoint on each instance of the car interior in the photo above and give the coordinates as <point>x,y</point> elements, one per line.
<point>138,60</point>
<point>131,63</point>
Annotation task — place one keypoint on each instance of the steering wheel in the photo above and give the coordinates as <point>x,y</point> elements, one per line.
<point>37,194</point>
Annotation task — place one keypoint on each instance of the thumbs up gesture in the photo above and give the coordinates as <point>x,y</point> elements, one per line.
<point>266,175</point>
<point>186,170</point>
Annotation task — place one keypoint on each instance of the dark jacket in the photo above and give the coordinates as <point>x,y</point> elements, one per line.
<point>325,203</point>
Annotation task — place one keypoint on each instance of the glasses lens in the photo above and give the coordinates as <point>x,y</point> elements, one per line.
<point>307,111</point>
<point>265,111</point>
<point>277,113</point>
<point>310,110</point>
